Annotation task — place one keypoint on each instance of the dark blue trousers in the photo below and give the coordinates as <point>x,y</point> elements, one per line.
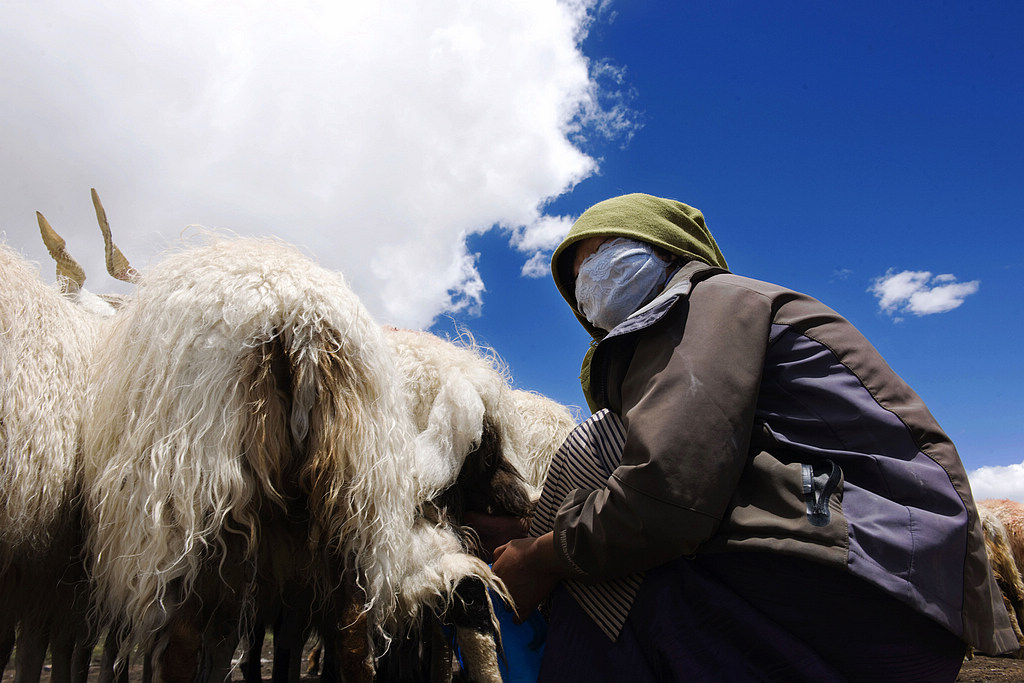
<point>752,617</point>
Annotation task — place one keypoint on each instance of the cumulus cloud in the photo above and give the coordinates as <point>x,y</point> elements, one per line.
<point>998,482</point>
<point>919,292</point>
<point>378,136</point>
<point>539,239</point>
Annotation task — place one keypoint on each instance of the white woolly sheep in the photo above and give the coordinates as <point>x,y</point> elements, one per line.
<point>244,411</point>
<point>546,424</point>
<point>46,341</point>
<point>490,435</point>
<point>248,433</point>
<point>58,619</point>
<point>464,409</point>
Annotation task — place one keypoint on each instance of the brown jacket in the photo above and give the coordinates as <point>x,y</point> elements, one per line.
<point>759,419</point>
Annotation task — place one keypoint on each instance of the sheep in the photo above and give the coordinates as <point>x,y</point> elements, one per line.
<point>73,650</point>
<point>46,341</point>
<point>465,407</point>
<point>1011,514</point>
<point>52,354</point>
<point>490,436</point>
<point>70,275</point>
<point>546,424</point>
<point>247,433</point>
<point>81,312</point>
<point>998,517</point>
<point>109,429</point>
<point>241,408</point>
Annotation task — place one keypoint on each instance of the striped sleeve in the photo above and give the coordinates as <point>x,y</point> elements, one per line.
<point>585,460</point>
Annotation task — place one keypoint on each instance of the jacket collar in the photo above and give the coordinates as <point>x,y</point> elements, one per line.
<point>678,286</point>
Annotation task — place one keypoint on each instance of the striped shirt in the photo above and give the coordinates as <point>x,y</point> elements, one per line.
<point>585,460</point>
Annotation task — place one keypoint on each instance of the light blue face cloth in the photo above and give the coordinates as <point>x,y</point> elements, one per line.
<point>618,278</point>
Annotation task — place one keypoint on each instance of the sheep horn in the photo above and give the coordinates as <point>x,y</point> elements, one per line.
<point>70,275</point>
<point>117,264</point>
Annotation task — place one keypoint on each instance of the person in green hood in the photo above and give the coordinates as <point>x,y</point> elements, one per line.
<point>772,501</point>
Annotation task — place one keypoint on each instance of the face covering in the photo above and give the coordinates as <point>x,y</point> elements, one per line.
<point>617,279</point>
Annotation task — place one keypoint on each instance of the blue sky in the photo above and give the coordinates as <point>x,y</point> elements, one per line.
<point>433,151</point>
<point>827,144</point>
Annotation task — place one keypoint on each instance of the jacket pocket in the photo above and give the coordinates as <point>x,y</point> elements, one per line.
<point>819,483</point>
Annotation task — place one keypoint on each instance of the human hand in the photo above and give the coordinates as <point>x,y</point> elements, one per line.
<point>496,530</point>
<point>530,569</point>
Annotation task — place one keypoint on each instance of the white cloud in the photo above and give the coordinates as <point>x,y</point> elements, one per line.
<point>920,293</point>
<point>538,266</point>
<point>998,482</point>
<point>377,135</point>
<point>539,238</point>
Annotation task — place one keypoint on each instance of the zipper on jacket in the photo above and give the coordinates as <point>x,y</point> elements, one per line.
<point>819,483</point>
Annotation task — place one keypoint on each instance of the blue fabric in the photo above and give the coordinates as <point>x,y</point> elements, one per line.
<point>907,523</point>
<point>752,617</point>
<point>522,644</point>
<point>684,626</point>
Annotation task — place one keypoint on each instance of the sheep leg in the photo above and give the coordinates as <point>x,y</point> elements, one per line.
<point>147,670</point>
<point>71,636</point>
<point>190,654</point>
<point>287,662</point>
<point>6,646</point>
<point>81,660</point>
<point>331,672</point>
<point>252,671</point>
<point>404,660</point>
<point>344,628</point>
<point>220,640</point>
<point>313,661</point>
<point>441,670</point>
<point>475,632</point>
<point>177,655</point>
<point>1015,610</point>
<point>8,616</point>
<point>217,662</point>
<point>290,634</point>
<point>62,650</point>
<point>355,656</point>
<point>81,655</point>
<point>32,639</point>
<point>111,670</point>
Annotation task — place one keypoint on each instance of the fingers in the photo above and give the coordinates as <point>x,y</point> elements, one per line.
<point>499,551</point>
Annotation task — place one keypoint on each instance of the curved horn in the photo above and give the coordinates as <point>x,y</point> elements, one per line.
<point>117,264</point>
<point>70,275</point>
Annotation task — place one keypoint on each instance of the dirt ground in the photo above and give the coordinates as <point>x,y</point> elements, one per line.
<point>978,670</point>
<point>995,669</point>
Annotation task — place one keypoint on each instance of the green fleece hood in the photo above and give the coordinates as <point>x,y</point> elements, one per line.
<point>671,225</point>
<point>665,223</point>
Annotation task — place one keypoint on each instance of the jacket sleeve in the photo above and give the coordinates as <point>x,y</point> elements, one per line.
<point>687,401</point>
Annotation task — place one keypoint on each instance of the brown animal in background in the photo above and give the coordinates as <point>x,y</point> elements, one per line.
<point>999,544</point>
<point>1011,514</point>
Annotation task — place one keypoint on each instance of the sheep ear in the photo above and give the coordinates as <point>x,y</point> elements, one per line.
<point>117,264</point>
<point>70,275</point>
